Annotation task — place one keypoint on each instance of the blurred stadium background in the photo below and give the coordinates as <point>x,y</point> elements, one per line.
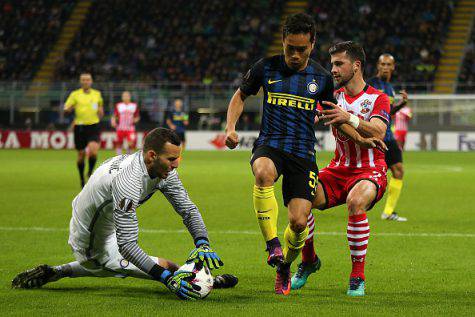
<point>198,50</point>
<point>199,55</point>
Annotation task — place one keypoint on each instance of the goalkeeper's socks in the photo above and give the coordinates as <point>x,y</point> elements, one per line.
<point>358,235</point>
<point>266,208</point>
<point>294,242</point>
<point>308,251</point>
<point>92,162</point>
<point>394,190</point>
<point>73,269</point>
<point>81,172</point>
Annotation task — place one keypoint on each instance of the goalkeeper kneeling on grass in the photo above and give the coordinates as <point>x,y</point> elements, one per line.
<point>103,232</point>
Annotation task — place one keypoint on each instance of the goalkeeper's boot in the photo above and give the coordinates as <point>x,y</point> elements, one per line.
<point>37,277</point>
<point>356,287</point>
<point>225,281</point>
<point>304,270</point>
<point>282,279</point>
<point>393,216</point>
<point>276,256</point>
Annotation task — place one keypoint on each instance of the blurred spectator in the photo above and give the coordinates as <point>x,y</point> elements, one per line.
<point>187,41</point>
<point>466,78</point>
<point>28,31</point>
<point>412,31</point>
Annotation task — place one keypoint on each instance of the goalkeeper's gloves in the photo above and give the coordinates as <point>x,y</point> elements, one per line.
<point>205,254</point>
<point>177,284</point>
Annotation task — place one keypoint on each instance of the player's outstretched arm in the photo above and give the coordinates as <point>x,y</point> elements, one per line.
<point>375,128</point>
<point>181,202</point>
<point>235,109</point>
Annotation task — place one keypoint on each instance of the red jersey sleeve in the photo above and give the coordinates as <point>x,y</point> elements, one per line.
<point>137,112</point>
<point>381,108</point>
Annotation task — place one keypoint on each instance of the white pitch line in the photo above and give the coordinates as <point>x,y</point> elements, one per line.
<point>250,232</point>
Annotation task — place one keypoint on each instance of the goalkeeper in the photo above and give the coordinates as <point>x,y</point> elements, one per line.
<point>104,227</point>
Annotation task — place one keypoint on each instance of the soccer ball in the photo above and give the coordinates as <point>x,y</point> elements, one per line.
<point>203,278</point>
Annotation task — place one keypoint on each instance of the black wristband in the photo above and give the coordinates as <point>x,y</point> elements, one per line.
<point>156,272</point>
<point>201,238</point>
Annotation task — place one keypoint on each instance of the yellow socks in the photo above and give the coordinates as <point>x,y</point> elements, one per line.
<point>267,210</point>
<point>394,190</point>
<point>294,242</point>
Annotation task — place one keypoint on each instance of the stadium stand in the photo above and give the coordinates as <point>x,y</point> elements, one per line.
<point>171,40</point>
<point>28,30</point>
<point>415,40</point>
<point>467,72</point>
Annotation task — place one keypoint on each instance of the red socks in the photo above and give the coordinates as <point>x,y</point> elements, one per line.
<point>308,251</point>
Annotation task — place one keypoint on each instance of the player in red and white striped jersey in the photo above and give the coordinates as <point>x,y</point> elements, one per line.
<point>401,125</point>
<point>126,115</point>
<point>356,175</point>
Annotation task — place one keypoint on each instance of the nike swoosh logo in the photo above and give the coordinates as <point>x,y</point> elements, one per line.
<point>263,211</point>
<point>270,82</point>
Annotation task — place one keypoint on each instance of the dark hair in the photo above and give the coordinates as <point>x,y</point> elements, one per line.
<point>299,23</point>
<point>354,50</point>
<point>156,139</point>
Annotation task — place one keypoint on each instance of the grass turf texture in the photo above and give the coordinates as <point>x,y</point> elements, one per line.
<point>411,274</point>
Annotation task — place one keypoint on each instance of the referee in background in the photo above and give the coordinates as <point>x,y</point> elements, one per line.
<point>87,105</point>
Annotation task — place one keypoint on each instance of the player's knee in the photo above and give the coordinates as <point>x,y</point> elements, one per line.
<point>264,176</point>
<point>398,172</point>
<point>356,205</point>
<point>298,224</point>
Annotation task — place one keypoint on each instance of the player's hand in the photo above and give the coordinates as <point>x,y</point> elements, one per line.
<point>178,285</point>
<point>232,139</point>
<point>317,117</point>
<point>203,253</point>
<point>404,96</point>
<point>370,143</point>
<point>336,115</point>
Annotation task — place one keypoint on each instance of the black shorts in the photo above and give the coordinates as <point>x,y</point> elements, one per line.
<point>393,154</point>
<point>299,175</point>
<point>83,134</point>
<point>181,135</point>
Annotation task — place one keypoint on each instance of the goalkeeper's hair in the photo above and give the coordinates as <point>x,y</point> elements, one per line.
<point>156,139</point>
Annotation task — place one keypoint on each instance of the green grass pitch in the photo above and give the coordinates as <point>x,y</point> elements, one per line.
<point>425,266</point>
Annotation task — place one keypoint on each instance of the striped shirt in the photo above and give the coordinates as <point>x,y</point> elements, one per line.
<point>402,117</point>
<point>369,103</point>
<point>289,103</point>
<point>107,206</point>
<point>126,114</point>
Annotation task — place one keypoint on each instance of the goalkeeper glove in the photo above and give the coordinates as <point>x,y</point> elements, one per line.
<point>177,284</point>
<point>205,254</point>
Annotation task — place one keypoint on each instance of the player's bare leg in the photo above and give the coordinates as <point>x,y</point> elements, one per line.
<point>394,191</point>
<point>310,261</point>
<point>80,165</point>
<point>266,208</point>
<point>93,148</point>
<point>359,200</point>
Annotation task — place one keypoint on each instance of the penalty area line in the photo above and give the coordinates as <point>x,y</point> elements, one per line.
<point>251,232</point>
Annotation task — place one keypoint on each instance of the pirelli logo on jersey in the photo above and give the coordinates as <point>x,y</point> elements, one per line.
<point>288,100</point>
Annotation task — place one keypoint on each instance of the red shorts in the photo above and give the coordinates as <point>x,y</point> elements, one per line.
<point>130,136</point>
<point>400,136</point>
<point>337,181</point>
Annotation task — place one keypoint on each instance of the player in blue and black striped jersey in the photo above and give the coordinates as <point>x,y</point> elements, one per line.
<point>293,85</point>
<point>386,66</point>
